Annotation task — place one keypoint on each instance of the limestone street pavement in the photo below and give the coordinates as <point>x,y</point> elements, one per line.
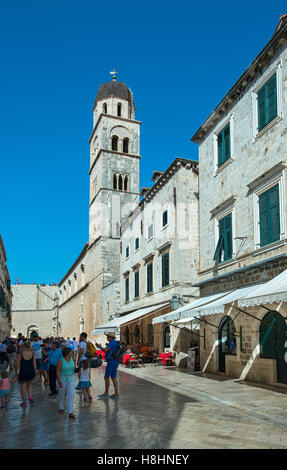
<point>158,409</point>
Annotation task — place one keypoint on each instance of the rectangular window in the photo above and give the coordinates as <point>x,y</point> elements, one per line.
<point>127,251</point>
<point>267,102</point>
<point>225,229</point>
<point>149,277</point>
<point>164,219</point>
<point>127,288</point>
<point>150,232</point>
<point>165,269</point>
<point>137,243</point>
<point>137,289</point>
<point>269,216</point>
<point>223,145</point>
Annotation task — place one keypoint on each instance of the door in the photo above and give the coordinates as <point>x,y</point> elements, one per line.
<point>273,342</point>
<point>226,341</point>
<point>281,350</point>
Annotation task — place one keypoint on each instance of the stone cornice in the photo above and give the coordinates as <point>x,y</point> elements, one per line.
<point>160,182</point>
<point>264,58</point>
<point>131,155</point>
<point>111,189</point>
<point>114,117</point>
<point>80,257</point>
<point>265,176</point>
<point>229,202</point>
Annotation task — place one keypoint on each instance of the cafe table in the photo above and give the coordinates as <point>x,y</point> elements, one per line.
<point>164,356</point>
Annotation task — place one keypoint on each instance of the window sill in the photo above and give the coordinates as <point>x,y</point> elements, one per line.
<point>164,227</point>
<point>149,293</point>
<point>267,128</point>
<point>271,246</point>
<point>166,287</point>
<point>224,165</point>
<point>149,239</point>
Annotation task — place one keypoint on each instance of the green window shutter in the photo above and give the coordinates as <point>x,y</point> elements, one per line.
<point>268,336</point>
<point>225,229</point>
<point>149,277</point>
<point>263,219</point>
<point>127,289</point>
<point>271,99</point>
<point>220,149</point>
<point>226,149</point>
<point>269,216</point>
<point>274,215</point>
<point>228,238</point>
<point>137,284</point>
<point>164,219</point>
<point>261,108</point>
<point>165,270</point>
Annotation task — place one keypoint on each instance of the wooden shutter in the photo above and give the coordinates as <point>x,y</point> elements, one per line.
<point>127,289</point>
<point>261,108</point>
<point>268,336</point>
<point>149,278</point>
<point>165,270</point>
<point>271,99</point>
<point>136,283</point>
<point>220,149</point>
<point>263,219</point>
<point>228,238</point>
<point>226,149</point>
<point>274,214</point>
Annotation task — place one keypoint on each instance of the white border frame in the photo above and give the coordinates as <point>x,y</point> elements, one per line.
<point>230,121</point>
<point>273,181</point>
<point>277,68</point>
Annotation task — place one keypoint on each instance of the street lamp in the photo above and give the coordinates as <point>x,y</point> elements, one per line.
<point>174,302</point>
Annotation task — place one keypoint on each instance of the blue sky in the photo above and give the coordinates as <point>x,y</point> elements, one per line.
<point>179,59</point>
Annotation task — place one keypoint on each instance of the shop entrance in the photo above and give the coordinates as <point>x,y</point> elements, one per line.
<point>273,342</point>
<point>226,341</point>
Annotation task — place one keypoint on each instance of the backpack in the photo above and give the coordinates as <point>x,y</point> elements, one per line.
<point>91,350</point>
<point>11,348</point>
<point>118,354</point>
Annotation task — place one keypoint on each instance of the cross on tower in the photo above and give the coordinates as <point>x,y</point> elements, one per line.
<point>114,74</point>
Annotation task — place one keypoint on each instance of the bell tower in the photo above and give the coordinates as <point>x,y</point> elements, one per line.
<point>114,186</point>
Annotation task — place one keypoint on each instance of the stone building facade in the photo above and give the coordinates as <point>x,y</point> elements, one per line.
<point>35,308</point>
<point>159,253</point>
<point>5,295</point>
<point>242,210</point>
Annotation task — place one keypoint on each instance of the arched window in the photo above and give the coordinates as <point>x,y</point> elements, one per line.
<point>272,333</point>
<point>127,335</point>
<point>137,334</point>
<point>166,336</point>
<point>120,183</point>
<point>126,145</point>
<point>119,109</point>
<point>226,341</point>
<point>125,183</point>
<point>115,182</point>
<point>150,338</point>
<point>115,142</point>
<point>105,108</point>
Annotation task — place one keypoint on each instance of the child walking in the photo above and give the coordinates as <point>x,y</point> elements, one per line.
<point>84,383</point>
<point>5,388</point>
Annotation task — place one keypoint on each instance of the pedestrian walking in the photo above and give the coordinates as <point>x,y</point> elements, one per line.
<point>82,349</point>
<point>112,366</point>
<point>5,388</point>
<point>44,367</point>
<point>53,357</point>
<point>66,382</point>
<point>27,367</point>
<point>37,350</point>
<point>84,380</point>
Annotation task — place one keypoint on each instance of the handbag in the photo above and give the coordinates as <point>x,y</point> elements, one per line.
<point>95,362</point>
<point>77,370</point>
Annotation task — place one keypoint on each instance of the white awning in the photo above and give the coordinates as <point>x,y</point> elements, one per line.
<point>218,305</point>
<point>115,324</point>
<point>271,291</point>
<point>185,311</point>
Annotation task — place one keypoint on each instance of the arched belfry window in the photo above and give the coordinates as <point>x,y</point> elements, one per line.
<point>120,183</point>
<point>125,183</point>
<point>126,145</point>
<point>119,109</point>
<point>115,183</point>
<point>115,140</point>
<point>105,108</point>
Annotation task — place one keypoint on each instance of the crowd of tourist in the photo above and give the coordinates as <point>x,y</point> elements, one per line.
<point>54,362</point>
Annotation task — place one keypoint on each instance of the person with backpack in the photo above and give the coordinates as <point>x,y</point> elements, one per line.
<point>112,351</point>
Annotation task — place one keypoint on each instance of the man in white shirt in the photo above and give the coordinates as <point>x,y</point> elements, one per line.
<point>37,350</point>
<point>76,348</point>
<point>82,349</point>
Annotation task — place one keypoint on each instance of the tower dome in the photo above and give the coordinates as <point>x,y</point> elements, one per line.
<point>116,89</point>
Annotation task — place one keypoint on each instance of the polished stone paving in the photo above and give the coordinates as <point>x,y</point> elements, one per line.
<point>158,409</point>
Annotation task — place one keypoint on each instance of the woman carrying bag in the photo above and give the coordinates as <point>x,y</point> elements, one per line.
<point>66,382</point>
